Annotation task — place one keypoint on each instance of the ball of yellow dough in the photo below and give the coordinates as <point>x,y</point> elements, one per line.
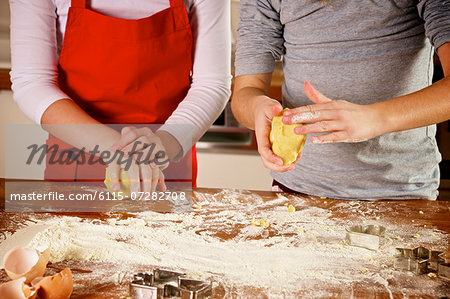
<point>285,143</point>
<point>125,186</point>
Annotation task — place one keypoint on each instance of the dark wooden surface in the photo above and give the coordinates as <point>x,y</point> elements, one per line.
<point>5,82</point>
<point>434,214</point>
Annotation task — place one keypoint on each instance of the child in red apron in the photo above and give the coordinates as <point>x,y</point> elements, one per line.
<point>123,71</point>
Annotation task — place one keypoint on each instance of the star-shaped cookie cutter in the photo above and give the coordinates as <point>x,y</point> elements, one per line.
<point>419,260</point>
<point>444,270</point>
<point>168,284</point>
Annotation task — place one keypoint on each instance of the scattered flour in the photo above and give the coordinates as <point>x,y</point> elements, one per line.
<point>219,241</point>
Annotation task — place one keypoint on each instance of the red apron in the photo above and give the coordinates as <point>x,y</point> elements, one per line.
<point>124,72</point>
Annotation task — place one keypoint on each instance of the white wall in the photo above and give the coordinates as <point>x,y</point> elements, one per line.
<point>5,56</point>
<point>234,18</point>
<point>9,114</point>
<point>4,15</point>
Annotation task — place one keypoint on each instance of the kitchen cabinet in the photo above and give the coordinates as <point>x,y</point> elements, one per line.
<point>238,170</point>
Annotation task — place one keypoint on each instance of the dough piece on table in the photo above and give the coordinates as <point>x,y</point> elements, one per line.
<point>285,143</point>
<point>125,186</point>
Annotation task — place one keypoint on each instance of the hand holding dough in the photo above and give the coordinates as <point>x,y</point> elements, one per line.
<point>285,143</point>
<point>125,186</point>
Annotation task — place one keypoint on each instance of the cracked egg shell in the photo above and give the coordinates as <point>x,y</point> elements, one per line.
<point>25,262</point>
<point>58,286</point>
<point>17,289</point>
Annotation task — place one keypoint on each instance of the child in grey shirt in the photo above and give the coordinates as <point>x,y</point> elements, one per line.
<point>371,128</point>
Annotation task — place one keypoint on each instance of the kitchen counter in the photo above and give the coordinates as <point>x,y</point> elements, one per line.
<point>317,227</point>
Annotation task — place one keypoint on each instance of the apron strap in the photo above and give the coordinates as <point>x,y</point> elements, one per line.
<point>78,3</point>
<point>175,3</point>
<point>82,3</point>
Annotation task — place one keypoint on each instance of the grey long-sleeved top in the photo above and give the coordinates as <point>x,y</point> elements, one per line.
<point>362,51</point>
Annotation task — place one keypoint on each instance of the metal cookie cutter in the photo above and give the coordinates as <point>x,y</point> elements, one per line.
<point>418,260</point>
<point>444,270</point>
<point>366,236</point>
<point>194,289</point>
<point>167,284</point>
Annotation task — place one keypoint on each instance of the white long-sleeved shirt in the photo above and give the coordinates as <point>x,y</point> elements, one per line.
<point>37,32</point>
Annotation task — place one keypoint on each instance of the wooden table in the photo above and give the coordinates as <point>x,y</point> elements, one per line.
<point>5,82</point>
<point>408,215</point>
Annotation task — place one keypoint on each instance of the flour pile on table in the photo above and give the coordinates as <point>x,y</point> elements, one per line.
<point>219,241</point>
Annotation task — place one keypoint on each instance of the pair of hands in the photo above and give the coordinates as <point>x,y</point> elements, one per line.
<point>144,177</point>
<point>342,120</point>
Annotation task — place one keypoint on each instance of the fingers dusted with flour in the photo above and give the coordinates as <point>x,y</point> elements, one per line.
<point>342,120</point>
